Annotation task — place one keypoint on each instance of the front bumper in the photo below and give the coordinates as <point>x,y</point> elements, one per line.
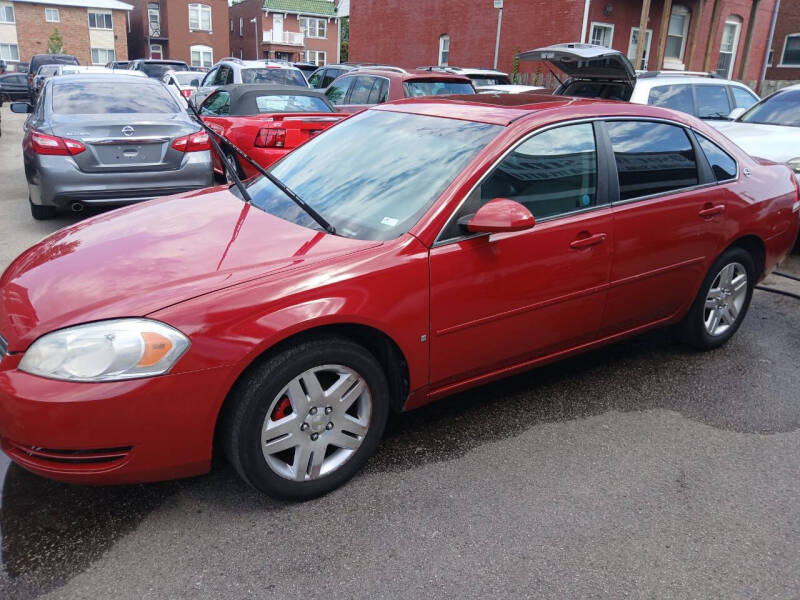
<point>110,433</point>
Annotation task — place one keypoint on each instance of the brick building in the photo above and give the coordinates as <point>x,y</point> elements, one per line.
<point>294,30</point>
<point>785,52</point>
<point>727,36</point>
<point>95,31</point>
<point>188,30</point>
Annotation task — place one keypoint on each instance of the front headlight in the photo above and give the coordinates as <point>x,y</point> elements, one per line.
<point>794,164</point>
<point>106,351</point>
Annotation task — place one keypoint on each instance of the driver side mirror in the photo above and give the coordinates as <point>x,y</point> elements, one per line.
<point>499,215</point>
<point>736,113</point>
<point>21,108</point>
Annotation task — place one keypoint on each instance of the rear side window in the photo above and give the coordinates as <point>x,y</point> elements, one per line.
<point>722,164</point>
<point>652,158</point>
<point>712,101</point>
<point>676,97</point>
<point>361,90</point>
<point>330,75</point>
<point>338,90</point>
<point>380,91</point>
<point>743,98</point>
<point>276,76</point>
<point>93,98</point>
<point>417,88</point>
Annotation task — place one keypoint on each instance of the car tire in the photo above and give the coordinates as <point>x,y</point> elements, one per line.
<point>722,302</point>
<point>230,155</point>
<point>42,213</point>
<point>295,440</point>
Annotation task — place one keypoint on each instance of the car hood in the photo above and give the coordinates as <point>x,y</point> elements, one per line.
<point>585,61</point>
<point>775,142</point>
<point>136,260</point>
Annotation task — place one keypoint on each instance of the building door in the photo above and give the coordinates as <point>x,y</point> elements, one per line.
<point>277,28</point>
<point>728,47</point>
<point>634,40</point>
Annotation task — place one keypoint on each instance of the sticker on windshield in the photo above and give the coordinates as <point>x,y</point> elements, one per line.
<point>389,221</point>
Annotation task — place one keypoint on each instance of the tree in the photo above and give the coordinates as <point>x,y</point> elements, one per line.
<point>345,36</point>
<point>55,44</point>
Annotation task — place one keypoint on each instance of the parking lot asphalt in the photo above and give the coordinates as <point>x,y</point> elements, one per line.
<point>644,469</point>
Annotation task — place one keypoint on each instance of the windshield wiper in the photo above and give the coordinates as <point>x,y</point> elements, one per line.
<point>321,221</point>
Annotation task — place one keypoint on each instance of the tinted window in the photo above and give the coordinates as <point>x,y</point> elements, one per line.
<point>676,97</point>
<point>217,104</point>
<point>284,103</point>
<point>158,70</point>
<point>277,76</point>
<point>209,78</point>
<point>224,76</point>
<point>361,90</point>
<point>338,90</point>
<point>315,81</point>
<point>722,164</point>
<point>483,80</point>
<point>652,158</point>
<point>742,97</point>
<point>330,75</point>
<point>782,108</point>
<point>86,98</point>
<point>435,88</point>
<point>712,101</point>
<point>395,166</point>
<point>552,173</point>
<point>380,91</point>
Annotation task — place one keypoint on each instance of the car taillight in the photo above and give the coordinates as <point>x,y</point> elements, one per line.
<point>193,142</point>
<point>186,93</point>
<point>270,137</point>
<point>55,146</point>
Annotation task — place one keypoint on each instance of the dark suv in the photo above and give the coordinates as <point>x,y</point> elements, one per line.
<point>157,68</point>
<point>39,60</point>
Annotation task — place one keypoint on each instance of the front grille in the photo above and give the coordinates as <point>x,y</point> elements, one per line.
<point>67,460</point>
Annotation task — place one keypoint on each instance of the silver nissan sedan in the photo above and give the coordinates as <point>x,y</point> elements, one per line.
<point>109,140</point>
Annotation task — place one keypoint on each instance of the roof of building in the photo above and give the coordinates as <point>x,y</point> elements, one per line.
<point>109,4</point>
<point>305,7</point>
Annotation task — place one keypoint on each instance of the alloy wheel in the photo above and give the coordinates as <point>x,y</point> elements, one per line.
<point>725,299</point>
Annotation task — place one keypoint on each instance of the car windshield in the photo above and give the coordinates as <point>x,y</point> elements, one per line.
<point>48,70</point>
<point>286,103</point>
<point>414,89</point>
<point>489,80</point>
<point>158,70</point>
<point>373,175</point>
<point>102,97</point>
<point>782,108</point>
<point>274,75</point>
<point>189,78</point>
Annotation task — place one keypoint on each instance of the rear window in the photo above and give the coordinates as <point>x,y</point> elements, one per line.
<point>189,78</point>
<point>278,76</point>
<point>106,97</point>
<point>158,70</point>
<point>286,103</point>
<point>65,59</point>
<point>483,80</point>
<point>414,89</point>
<point>677,97</point>
<point>48,70</point>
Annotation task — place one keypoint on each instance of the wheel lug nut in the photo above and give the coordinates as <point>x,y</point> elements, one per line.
<point>304,426</point>
<point>314,437</point>
<point>313,411</point>
<point>329,426</point>
<point>328,410</point>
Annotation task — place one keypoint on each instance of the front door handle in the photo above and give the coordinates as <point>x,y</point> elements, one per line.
<point>589,240</point>
<point>710,210</point>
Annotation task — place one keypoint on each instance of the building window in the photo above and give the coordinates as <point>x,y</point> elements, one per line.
<point>156,52</point>
<point>314,56</point>
<point>444,50</point>
<point>791,51</point>
<point>676,33</point>
<point>154,17</point>
<point>634,41</point>
<point>241,53</point>
<point>202,56</point>
<point>314,28</point>
<point>51,15</point>
<point>728,47</point>
<point>7,14</point>
<point>241,26</point>
<point>231,25</point>
<point>199,17</point>
<point>102,56</point>
<point>602,34</point>
<point>100,20</point>
<point>9,51</point>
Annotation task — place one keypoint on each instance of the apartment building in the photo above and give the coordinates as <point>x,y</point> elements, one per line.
<point>95,31</point>
<point>195,32</point>
<point>293,30</point>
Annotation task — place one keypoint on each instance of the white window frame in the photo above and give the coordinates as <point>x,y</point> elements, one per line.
<point>160,50</point>
<point>108,55</point>
<point>3,13</point>
<point>313,56</point>
<point>648,38</point>
<point>103,14</point>
<point>732,20</point>
<point>783,52</point>
<point>9,51</point>
<point>305,27</point>
<point>202,50</point>
<point>49,13</point>
<point>600,25</point>
<point>444,39</point>
<point>683,11</point>
<point>201,10</point>
<point>241,26</point>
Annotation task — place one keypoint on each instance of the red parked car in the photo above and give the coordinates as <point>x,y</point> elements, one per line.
<point>460,240</point>
<point>265,121</point>
<point>362,88</point>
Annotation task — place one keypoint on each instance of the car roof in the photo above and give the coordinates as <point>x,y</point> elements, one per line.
<point>504,109</point>
<point>666,78</point>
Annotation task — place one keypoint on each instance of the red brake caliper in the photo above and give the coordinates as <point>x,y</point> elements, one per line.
<point>282,409</point>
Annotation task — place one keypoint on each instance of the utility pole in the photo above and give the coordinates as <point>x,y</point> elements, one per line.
<point>499,5</point>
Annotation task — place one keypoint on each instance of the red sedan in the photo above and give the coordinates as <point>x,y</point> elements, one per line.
<point>451,242</point>
<point>265,121</point>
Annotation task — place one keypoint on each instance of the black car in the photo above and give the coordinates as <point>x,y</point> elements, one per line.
<point>39,60</point>
<point>306,67</point>
<point>13,86</point>
<point>157,68</point>
<point>324,76</point>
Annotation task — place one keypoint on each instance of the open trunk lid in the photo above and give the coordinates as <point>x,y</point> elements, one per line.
<point>585,61</point>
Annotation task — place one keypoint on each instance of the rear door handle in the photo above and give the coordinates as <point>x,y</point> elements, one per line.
<point>711,211</point>
<point>585,242</point>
